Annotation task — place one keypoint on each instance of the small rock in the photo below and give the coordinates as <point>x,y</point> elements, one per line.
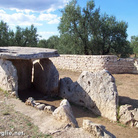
<point>40,106</point>
<point>96,129</point>
<point>136,124</point>
<point>64,113</point>
<point>128,115</point>
<point>37,104</point>
<point>49,109</point>
<point>13,94</point>
<point>30,101</point>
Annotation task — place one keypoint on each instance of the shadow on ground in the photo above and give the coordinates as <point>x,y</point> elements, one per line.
<point>126,100</point>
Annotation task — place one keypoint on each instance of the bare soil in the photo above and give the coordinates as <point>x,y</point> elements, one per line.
<point>127,85</point>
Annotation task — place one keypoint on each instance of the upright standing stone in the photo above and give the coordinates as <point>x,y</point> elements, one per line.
<point>46,77</point>
<point>8,76</point>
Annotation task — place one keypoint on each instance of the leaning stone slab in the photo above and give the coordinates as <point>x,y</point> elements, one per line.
<point>46,77</point>
<point>8,76</point>
<point>96,91</point>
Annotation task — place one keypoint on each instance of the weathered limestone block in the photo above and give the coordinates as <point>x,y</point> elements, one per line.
<point>128,115</point>
<point>97,130</point>
<point>64,113</point>
<point>124,108</point>
<point>8,76</point>
<point>46,77</point>
<point>96,91</point>
<point>24,71</point>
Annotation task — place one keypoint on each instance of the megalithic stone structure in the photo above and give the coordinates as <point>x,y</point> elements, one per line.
<point>16,69</point>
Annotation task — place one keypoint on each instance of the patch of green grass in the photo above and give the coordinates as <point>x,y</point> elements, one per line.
<point>29,124</point>
<point>99,117</point>
<point>35,129</point>
<point>122,125</point>
<point>6,93</point>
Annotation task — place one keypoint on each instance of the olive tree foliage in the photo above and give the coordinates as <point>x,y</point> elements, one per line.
<point>52,42</point>
<point>42,43</point>
<point>26,37</point>
<point>75,25</point>
<point>6,35</point>
<point>86,31</point>
<point>21,36</point>
<point>134,45</point>
<point>111,37</point>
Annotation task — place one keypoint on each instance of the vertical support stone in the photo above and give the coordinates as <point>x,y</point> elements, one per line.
<point>8,76</point>
<point>46,77</point>
<point>24,72</point>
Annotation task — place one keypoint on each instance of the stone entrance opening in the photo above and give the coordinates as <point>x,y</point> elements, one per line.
<point>28,72</point>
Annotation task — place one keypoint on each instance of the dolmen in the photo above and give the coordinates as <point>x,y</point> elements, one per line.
<point>20,67</point>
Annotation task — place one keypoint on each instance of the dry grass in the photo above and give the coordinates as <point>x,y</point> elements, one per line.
<point>12,121</point>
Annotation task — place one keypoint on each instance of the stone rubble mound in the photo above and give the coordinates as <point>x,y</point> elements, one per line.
<point>48,108</point>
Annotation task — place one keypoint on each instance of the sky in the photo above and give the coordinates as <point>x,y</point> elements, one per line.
<point>45,14</point>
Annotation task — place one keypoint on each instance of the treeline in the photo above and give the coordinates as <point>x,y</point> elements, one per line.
<point>82,31</point>
<point>21,37</point>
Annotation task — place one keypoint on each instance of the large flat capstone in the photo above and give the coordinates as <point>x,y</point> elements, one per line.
<point>27,53</point>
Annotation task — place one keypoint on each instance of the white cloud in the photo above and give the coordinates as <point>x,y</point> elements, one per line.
<point>47,17</point>
<point>2,12</point>
<point>27,17</point>
<point>46,35</point>
<point>22,11</point>
<point>33,5</point>
<point>19,19</point>
<point>50,18</point>
<point>54,21</point>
